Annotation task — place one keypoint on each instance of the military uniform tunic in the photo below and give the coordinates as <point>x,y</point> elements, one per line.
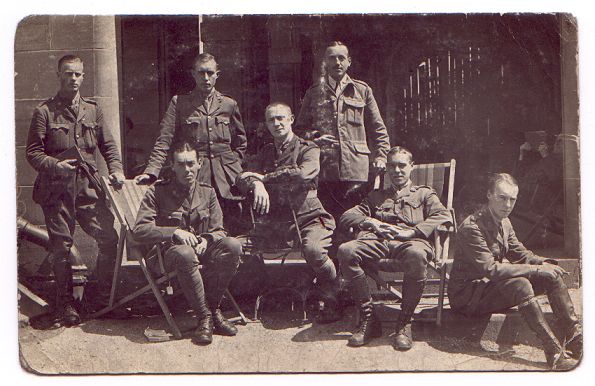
<point>351,114</point>
<point>480,279</point>
<point>412,207</point>
<point>58,125</point>
<point>291,179</point>
<point>348,112</point>
<point>214,125</point>
<point>169,206</point>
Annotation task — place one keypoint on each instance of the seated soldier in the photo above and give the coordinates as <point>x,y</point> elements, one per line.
<point>482,283</point>
<point>393,224</point>
<point>285,177</point>
<point>185,217</point>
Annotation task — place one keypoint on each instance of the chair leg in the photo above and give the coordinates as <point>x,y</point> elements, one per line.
<point>441,295</point>
<point>118,264</point>
<point>160,300</point>
<point>241,316</point>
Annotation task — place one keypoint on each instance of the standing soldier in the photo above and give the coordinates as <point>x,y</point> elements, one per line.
<point>341,116</point>
<point>64,134</point>
<point>285,179</point>
<point>211,122</point>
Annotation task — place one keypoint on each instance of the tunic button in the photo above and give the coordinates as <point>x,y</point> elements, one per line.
<point>211,156</point>
<point>210,142</point>
<point>77,135</point>
<point>210,129</point>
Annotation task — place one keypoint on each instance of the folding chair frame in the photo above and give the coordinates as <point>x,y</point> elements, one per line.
<point>153,284</point>
<point>441,250</point>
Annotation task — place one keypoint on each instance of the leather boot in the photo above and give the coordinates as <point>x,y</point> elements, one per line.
<point>369,327</point>
<point>329,310</point>
<point>222,326</point>
<point>569,322</point>
<point>554,353</point>
<point>65,311</point>
<point>412,291</point>
<point>203,334</point>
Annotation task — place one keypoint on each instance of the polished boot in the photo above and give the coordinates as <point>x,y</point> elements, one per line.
<point>554,353</point>
<point>569,322</point>
<point>203,334</point>
<point>65,311</point>
<point>369,327</point>
<point>412,291</point>
<point>222,326</point>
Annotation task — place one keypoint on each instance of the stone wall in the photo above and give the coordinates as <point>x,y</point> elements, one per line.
<point>39,43</point>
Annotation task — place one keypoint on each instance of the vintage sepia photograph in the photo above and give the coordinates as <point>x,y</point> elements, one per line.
<point>298,193</point>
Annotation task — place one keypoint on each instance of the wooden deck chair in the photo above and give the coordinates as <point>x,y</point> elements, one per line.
<point>440,177</point>
<point>125,203</point>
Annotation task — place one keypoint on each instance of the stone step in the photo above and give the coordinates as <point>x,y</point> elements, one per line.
<point>496,332</point>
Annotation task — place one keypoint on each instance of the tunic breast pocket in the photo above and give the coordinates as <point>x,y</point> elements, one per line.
<point>190,131</point>
<point>89,134</point>
<point>173,219</point>
<point>200,219</point>
<point>58,137</point>
<point>413,209</point>
<point>223,130</point>
<point>386,212</point>
<point>354,110</point>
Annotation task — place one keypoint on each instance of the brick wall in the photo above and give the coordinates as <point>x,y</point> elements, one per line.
<point>40,41</point>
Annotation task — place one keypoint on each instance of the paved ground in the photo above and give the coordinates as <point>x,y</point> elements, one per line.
<point>279,344</point>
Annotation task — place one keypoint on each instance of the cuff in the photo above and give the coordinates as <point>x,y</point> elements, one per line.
<point>167,233</point>
<point>423,231</point>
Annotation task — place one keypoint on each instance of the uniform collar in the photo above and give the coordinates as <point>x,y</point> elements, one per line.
<point>286,144</point>
<point>67,101</point>
<point>488,218</point>
<point>181,190</point>
<point>210,103</point>
<point>342,83</point>
<point>404,191</point>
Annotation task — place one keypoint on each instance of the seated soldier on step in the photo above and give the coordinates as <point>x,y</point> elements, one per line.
<point>481,282</point>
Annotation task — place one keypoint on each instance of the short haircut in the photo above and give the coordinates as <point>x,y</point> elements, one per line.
<point>203,58</point>
<point>277,104</point>
<point>496,178</point>
<point>337,43</point>
<point>400,150</point>
<point>68,59</point>
<point>182,146</point>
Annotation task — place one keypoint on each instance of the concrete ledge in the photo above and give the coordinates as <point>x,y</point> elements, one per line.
<point>496,332</point>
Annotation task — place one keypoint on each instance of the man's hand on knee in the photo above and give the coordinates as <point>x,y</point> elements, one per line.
<point>201,247</point>
<point>550,271</point>
<point>184,237</point>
